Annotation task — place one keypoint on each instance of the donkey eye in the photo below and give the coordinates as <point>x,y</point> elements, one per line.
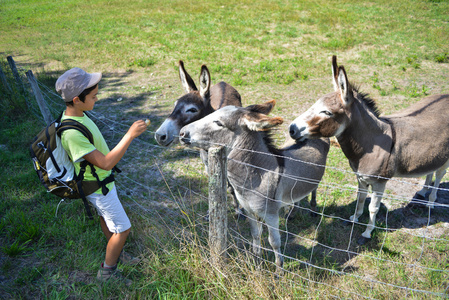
<point>192,110</point>
<point>219,123</point>
<point>326,112</point>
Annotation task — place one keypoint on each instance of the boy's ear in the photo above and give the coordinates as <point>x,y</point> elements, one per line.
<point>76,100</point>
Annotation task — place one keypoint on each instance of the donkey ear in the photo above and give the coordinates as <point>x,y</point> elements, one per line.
<point>204,82</point>
<point>260,122</point>
<point>334,73</point>
<point>343,86</point>
<point>186,80</point>
<point>264,108</point>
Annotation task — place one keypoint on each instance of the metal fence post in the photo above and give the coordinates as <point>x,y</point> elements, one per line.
<point>218,220</point>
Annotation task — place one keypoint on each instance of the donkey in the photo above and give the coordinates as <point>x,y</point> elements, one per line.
<point>264,178</point>
<point>195,105</point>
<point>411,143</point>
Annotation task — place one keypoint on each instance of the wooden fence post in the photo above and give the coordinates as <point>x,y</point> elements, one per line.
<point>13,67</point>
<point>218,216</point>
<point>39,98</point>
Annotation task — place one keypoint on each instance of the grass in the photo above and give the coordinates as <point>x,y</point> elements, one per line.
<point>396,50</point>
<point>239,38</point>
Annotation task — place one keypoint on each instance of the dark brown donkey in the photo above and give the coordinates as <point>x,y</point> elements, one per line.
<point>195,105</point>
<point>411,143</point>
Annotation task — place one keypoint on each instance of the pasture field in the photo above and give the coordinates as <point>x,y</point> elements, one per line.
<point>397,51</point>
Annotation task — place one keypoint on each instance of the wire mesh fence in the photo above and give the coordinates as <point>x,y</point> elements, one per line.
<point>168,187</point>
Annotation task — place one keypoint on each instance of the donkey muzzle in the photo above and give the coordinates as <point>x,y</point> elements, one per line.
<point>184,137</point>
<point>296,132</point>
<point>160,138</point>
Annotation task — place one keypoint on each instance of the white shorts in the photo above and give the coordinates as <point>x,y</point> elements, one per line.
<point>110,208</point>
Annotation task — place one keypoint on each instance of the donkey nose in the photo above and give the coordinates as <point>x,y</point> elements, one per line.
<point>163,137</point>
<point>295,132</point>
<point>184,137</point>
<point>160,137</point>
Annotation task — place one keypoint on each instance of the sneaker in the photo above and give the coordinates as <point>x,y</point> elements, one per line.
<point>128,259</point>
<point>106,274</point>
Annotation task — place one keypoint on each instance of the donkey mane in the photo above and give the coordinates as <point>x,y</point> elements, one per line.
<point>365,98</point>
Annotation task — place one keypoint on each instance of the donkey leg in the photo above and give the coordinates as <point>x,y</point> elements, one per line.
<point>425,188</point>
<point>256,232</point>
<point>361,196</point>
<point>274,238</point>
<point>239,212</point>
<point>205,159</point>
<point>433,195</point>
<point>290,212</point>
<point>313,201</point>
<point>378,191</point>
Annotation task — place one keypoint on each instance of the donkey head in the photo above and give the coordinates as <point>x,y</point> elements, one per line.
<point>329,115</point>
<point>192,106</point>
<point>225,125</point>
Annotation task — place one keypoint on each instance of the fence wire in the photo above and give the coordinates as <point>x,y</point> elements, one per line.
<point>170,184</point>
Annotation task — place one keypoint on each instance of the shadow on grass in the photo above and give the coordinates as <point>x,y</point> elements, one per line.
<point>416,215</point>
<point>336,244</point>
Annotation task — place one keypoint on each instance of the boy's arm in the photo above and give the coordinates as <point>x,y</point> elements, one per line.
<point>108,161</point>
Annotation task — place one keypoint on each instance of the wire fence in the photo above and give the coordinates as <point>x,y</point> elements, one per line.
<point>320,252</point>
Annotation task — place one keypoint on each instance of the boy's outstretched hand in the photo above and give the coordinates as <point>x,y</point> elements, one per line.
<point>137,128</point>
<point>108,161</point>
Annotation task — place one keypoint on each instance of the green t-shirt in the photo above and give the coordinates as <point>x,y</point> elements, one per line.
<point>77,145</point>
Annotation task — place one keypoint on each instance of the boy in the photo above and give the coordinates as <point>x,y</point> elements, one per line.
<point>79,90</point>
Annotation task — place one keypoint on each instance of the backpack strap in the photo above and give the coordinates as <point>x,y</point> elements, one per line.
<point>79,185</point>
<point>72,124</point>
<point>50,152</point>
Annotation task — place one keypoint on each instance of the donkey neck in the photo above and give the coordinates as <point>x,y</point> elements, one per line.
<point>366,137</point>
<point>252,147</point>
<point>251,151</point>
<point>252,165</point>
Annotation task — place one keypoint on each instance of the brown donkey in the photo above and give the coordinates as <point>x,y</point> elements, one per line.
<point>411,143</point>
<point>195,104</point>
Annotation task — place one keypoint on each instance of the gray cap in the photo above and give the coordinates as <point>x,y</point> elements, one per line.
<point>73,82</point>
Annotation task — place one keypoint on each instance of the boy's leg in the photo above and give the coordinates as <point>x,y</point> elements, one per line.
<point>113,222</point>
<point>110,254</point>
<point>115,247</point>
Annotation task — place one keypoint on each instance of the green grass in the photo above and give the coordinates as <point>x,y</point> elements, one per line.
<point>395,50</point>
<point>247,41</point>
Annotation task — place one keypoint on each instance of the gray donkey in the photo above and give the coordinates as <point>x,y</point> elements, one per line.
<point>411,143</point>
<point>264,178</point>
